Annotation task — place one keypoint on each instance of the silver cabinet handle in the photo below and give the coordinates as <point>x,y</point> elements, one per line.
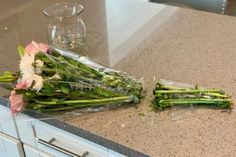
<point>60,149</point>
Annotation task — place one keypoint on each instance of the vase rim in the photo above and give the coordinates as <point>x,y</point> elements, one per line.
<point>64,9</point>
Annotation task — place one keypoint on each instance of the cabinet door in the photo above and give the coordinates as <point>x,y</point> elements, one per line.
<point>7,124</point>
<point>10,147</point>
<point>25,130</point>
<point>32,152</point>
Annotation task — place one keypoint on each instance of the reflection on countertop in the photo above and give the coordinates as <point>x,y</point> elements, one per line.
<point>129,29</point>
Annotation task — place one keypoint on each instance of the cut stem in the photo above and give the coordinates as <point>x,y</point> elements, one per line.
<point>92,101</point>
<point>217,102</point>
<point>187,91</point>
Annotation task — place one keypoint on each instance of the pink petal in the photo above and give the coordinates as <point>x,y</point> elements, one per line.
<point>30,48</point>
<point>16,102</point>
<point>21,85</point>
<point>34,47</point>
<point>43,47</point>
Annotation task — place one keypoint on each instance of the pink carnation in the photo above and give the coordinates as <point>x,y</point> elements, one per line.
<point>34,48</point>
<point>16,100</point>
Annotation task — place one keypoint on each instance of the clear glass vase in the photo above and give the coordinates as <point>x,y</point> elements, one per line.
<point>66,29</point>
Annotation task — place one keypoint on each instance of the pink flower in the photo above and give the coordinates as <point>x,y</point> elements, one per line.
<point>21,85</point>
<point>34,48</point>
<point>16,100</point>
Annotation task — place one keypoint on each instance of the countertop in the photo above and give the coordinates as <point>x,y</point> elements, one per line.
<point>148,41</point>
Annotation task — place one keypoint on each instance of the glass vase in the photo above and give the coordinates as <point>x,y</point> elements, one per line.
<point>66,29</point>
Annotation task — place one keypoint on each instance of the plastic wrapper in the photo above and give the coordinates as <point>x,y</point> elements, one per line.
<point>54,80</point>
<point>103,69</point>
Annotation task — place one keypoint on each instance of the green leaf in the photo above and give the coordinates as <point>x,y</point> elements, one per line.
<point>65,90</point>
<point>47,91</point>
<point>20,91</point>
<point>8,77</point>
<point>21,51</point>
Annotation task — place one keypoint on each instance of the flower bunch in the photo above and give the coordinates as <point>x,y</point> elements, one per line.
<point>51,81</point>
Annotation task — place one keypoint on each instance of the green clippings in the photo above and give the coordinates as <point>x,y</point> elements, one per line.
<point>141,114</point>
<point>168,96</point>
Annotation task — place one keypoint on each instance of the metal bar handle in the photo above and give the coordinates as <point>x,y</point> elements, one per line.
<point>60,149</point>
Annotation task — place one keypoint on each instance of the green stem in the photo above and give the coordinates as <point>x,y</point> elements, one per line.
<point>218,102</point>
<point>8,77</point>
<point>186,91</point>
<point>68,107</point>
<point>161,87</point>
<point>7,80</point>
<point>80,66</point>
<point>216,95</point>
<point>201,100</point>
<point>105,100</point>
<point>73,75</point>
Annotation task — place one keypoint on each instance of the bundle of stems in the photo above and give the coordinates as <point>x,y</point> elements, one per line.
<point>166,96</point>
<point>63,83</point>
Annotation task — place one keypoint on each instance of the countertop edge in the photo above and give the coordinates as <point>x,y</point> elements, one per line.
<point>80,132</point>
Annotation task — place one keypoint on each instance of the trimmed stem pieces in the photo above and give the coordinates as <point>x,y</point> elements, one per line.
<point>168,96</point>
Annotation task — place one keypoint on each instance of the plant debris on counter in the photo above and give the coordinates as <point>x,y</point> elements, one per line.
<point>54,80</point>
<point>168,94</point>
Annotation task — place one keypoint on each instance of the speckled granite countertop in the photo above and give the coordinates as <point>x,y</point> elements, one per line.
<point>147,41</point>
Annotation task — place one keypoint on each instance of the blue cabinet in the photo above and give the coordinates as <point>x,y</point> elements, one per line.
<point>32,152</point>
<point>7,123</point>
<point>40,139</point>
<point>10,147</point>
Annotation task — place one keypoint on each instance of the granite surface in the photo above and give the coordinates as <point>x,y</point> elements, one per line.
<point>150,42</point>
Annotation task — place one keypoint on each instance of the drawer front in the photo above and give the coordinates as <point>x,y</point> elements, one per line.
<point>32,152</point>
<point>25,129</point>
<point>64,143</point>
<point>10,147</point>
<point>7,124</point>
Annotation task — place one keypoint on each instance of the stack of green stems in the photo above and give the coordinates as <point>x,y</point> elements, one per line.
<point>168,96</point>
